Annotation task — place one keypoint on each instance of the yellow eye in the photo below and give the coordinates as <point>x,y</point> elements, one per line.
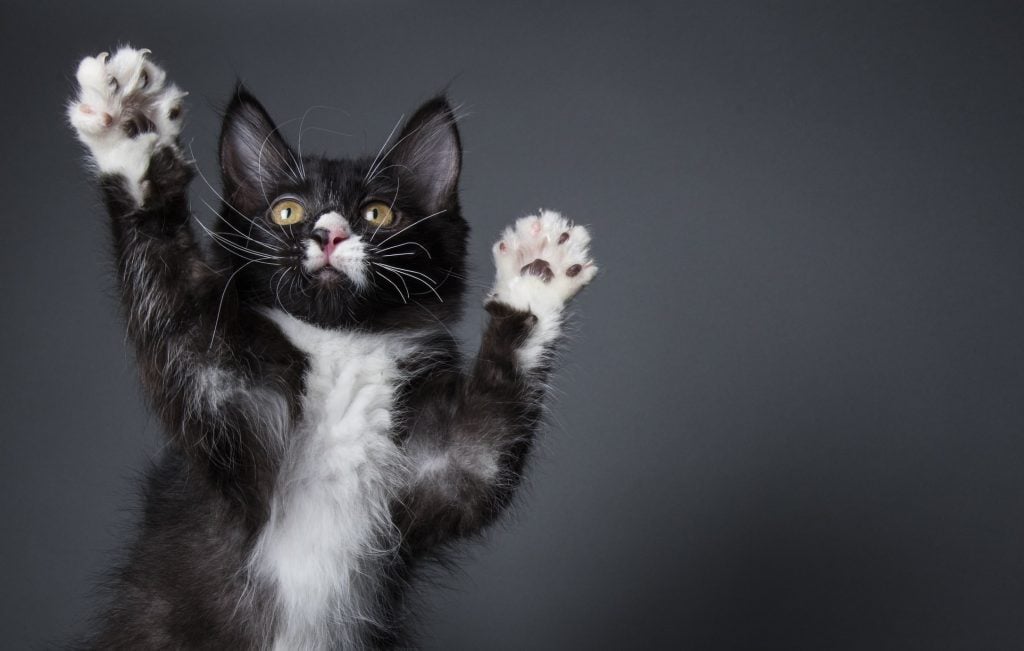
<point>287,212</point>
<point>378,214</point>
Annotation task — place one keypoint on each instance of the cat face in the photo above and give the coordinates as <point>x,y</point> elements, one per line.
<point>374,242</point>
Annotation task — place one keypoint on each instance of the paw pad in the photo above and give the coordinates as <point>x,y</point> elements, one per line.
<point>539,268</point>
<point>542,262</point>
<point>124,93</point>
<point>123,112</point>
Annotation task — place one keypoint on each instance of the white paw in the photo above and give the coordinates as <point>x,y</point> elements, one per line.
<point>124,111</point>
<point>542,261</point>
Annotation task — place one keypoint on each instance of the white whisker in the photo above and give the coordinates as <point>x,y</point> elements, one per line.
<point>410,243</point>
<point>386,141</point>
<point>404,272</point>
<point>291,172</point>
<point>409,271</point>
<point>422,219</point>
<point>248,238</point>
<point>400,295</point>
<point>241,251</point>
<point>225,201</point>
<point>220,305</point>
<point>392,148</point>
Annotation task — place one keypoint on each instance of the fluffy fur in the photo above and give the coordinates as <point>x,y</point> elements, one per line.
<point>326,436</point>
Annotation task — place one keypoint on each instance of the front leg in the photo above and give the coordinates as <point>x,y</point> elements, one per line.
<point>182,318</point>
<point>469,435</point>
<point>129,120</point>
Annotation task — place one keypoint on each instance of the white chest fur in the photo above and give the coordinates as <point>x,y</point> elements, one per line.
<point>330,509</point>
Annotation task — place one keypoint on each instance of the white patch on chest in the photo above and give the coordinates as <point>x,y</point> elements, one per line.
<point>330,510</point>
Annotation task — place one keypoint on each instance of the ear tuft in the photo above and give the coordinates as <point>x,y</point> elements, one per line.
<point>253,155</point>
<point>428,153</point>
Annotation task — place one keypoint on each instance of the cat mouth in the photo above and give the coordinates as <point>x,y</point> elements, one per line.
<point>328,274</point>
<point>343,270</point>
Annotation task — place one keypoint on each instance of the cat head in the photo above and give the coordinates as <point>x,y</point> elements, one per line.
<point>373,242</point>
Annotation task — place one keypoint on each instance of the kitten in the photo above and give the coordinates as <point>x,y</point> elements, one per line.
<point>324,437</point>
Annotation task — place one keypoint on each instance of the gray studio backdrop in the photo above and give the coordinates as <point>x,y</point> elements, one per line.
<point>791,415</point>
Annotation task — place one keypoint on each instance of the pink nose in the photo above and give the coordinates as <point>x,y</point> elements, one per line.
<point>329,239</point>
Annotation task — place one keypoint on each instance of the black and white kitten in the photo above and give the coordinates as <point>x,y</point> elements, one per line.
<point>324,435</point>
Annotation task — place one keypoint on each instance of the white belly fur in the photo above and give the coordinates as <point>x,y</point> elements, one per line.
<point>330,507</point>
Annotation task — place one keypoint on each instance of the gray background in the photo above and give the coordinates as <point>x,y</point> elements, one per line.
<point>792,413</point>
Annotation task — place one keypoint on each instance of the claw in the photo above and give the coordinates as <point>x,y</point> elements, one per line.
<point>145,51</point>
<point>103,56</point>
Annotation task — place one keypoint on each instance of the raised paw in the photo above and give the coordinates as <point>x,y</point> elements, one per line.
<point>542,261</point>
<point>123,111</point>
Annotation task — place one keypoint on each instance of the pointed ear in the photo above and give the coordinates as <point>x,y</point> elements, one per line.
<point>428,154</point>
<point>254,157</point>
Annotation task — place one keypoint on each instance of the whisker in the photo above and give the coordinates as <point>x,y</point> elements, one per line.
<point>299,146</point>
<point>221,239</point>
<point>400,278</point>
<point>234,228</point>
<point>409,271</point>
<point>393,285</point>
<point>291,172</point>
<point>410,243</point>
<point>401,273</point>
<point>225,201</point>
<point>434,316</point>
<point>270,281</point>
<point>296,284</point>
<point>277,292</point>
<point>422,219</point>
<point>386,141</point>
<point>325,130</point>
<point>398,142</point>
<point>384,169</point>
<point>302,130</point>
<point>220,305</point>
<point>241,251</point>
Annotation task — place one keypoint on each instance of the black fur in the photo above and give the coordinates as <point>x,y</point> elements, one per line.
<point>208,497</point>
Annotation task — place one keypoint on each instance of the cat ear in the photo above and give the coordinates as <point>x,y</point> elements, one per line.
<point>253,156</point>
<point>428,154</point>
